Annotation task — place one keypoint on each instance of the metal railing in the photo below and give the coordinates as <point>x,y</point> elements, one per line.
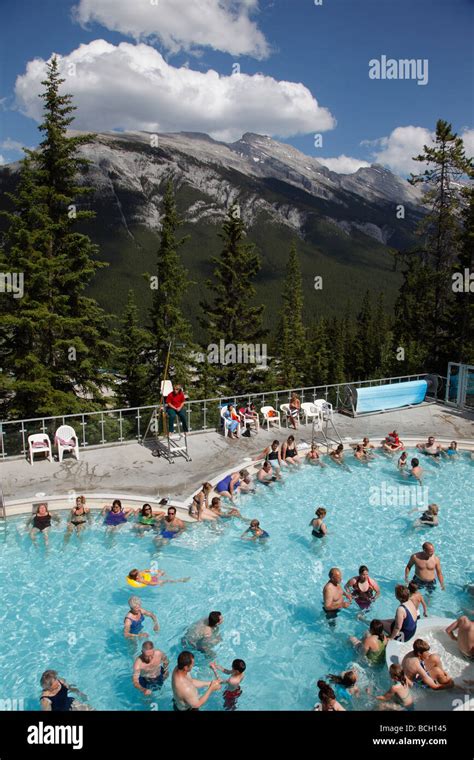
<point>116,426</point>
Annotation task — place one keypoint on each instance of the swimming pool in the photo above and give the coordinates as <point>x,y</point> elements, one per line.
<point>64,609</point>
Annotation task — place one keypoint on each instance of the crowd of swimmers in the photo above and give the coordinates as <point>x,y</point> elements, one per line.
<point>151,666</point>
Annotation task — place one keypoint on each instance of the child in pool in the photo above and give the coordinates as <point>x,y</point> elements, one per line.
<point>232,691</point>
<point>346,684</point>
<point>256,532</point>
<point>152,580</point>
<point>402,461</point>
<point>399,692</point>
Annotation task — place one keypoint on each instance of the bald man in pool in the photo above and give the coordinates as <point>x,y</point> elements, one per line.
<point>333,594</point>
<point>427,566</point>
<point>465,635</point>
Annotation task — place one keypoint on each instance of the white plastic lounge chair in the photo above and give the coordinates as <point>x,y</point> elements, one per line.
<point>310,412</point>
<point>65,439</point>
<point>325,408</point>
<point>271,419</point>
<point>251,421</point>
<point>39,443</point>
<point>227,423</point>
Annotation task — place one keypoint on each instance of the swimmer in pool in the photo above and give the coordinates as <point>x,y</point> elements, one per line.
<point>185,688</point>
<point>465,635</point>
<point>416,471</point>
<point>417,598</point>
<point>427,566</point>
<point>204,634</point>
<point>236,675</point>
<point>146,519</point>
<point>153,580</point>
<point>333,594</point>
<point>402,461</point>
<point>327,698</point>
<point>373,643</point>
<point>115,516</point>
<point>403,626</point>
<point>254,532</point>
<point>431,448</point>
<point>451,452</point>
<point>392,443</point>
<point>346,683</point>
<point>429,518</point>
<point>363,589</point>
<point>319,530</point>
<point>399,692</point>
<point>133,622</point>
<point>55,695</point>
<point>169,527</point>
<point>314,456</point>
<point>150,669</point>
<point>337,454</point>
<point>415,668</point>
<point>78,519</point>
<point>266,474</point>
<point>41,523</point>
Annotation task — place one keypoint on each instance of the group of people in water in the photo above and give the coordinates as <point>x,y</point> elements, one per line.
<point>151,666</point>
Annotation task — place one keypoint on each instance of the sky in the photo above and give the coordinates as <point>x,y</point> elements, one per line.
<point>307,72</point>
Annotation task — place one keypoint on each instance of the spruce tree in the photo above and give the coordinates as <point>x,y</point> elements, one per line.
<point>131,357</point>
<point>364,344</point>
<point>232,317</point>
<point>292,337</point>
<point>318,363</point>
<point>461,313</point>
<point>167,323</point>
<point>54,337</point>
<point>441,231</point>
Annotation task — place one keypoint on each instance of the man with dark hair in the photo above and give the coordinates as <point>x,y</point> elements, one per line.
<point>205,633</point>
<point>232,691</point>
<point>185,688</point>
<point>416,666</point>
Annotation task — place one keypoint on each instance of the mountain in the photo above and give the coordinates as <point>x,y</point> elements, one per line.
<point>345,224</point>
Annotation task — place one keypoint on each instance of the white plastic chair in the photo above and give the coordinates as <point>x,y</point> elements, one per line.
<point>252,421</point>
<point>325,408</point>
<point>227,423</point>
<point>39,443</point>
<point>285,408</point>
<point>310,412</point>
<point>65,439</point>
<point>274,418</point>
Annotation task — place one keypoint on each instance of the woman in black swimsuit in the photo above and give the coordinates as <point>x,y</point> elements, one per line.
<point>289,451</point>
<point>78,518</point>
<point>317,524</point>
<point>41,522</point>
<point>55,697</point>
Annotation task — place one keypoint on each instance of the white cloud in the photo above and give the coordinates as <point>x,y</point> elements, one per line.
<point>343,164</point>
<point>181,24</point>
<point>397,150</point>
<point>132,87</point>
<point>468,138</point>
<point>10,144</point>
<point>2,160</point>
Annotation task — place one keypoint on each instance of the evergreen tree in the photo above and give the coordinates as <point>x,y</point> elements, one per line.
<point>131,357</point>
<point>232,317</point>
<point>167,322</point>
<point>292,338</point>
<point>364,345</point>
<point>446,164</point>
<point>412,328</point>
<point>54,338</point>
<point>461,314</point>
<point>336,338</point>
<point>318,363</point>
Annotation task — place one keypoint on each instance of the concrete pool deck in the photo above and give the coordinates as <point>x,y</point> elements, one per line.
<point>130,468</point>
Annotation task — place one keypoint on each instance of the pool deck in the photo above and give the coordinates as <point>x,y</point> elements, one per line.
<point>132,469</point>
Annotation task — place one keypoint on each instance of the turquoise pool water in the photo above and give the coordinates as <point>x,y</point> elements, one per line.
<point>64,608</point>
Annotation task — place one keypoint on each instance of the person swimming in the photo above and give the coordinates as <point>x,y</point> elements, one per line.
<point>153,579</point>
<point>170,526</point>
<point>319,530</point>
<point>374,642</point>
<point>327,699</point>
<point>399,692</point>
<point>345,685</point>
<point>115,516</point>
<point>452,450</point>
<point>255,531</point>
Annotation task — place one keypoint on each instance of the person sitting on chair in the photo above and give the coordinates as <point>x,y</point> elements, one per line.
<point>175,407</point>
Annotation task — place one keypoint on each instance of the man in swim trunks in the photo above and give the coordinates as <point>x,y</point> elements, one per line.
<point>415,666</point>
<point>333,594</point>
<point>431,448</point>
<point>465,636</point>
<point>133,622</point>
<point>427,566</point>
<point>232,691</point>
<point>170,526</point>
<point>265,474</point>
<point>416,471</point>
<point>363,588</point>
<point>150,669</point>
<point>185,688</point>
<point>204,634</point>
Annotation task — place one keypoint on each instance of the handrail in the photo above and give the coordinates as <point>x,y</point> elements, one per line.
<point>116,426</point>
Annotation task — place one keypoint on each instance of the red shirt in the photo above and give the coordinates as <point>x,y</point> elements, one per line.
<point>175,399</point>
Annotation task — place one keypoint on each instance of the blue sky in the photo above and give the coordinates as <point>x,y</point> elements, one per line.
<point>323,50</point>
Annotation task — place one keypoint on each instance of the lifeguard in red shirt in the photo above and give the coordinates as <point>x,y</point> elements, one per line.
<point>175,402</point>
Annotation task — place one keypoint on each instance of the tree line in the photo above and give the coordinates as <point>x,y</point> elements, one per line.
<point>59,353</point>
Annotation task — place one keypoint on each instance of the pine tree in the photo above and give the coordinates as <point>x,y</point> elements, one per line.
<point>446,164</point>
<point>232,317</point>
<point>168,326</point>
<point>461,313</point>
<point>318,364</point>
<point>131,357</point>
<point>292,338</point>
<point>54,338</point>
<point>364,345</point>
<point>412,328</point>
<point>336,338</point>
